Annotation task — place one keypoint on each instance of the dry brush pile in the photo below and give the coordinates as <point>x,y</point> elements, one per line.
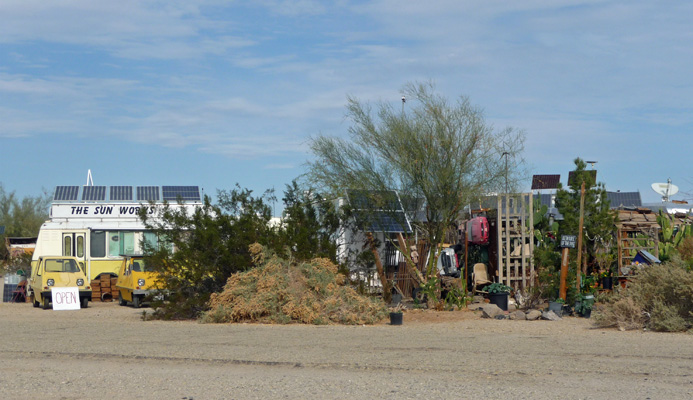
<point>285,291</point>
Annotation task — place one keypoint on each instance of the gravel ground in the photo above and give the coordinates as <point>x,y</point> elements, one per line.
<point>107,351</point>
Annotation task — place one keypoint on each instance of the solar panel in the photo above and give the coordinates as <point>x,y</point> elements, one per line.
<point>121,193</point>
<point>172,193</point>
<point>94,193</point>
<point>383,221</point>
<point>540,182</point>
<point>147,193</point>
<point>572,176</point>
<point>374,200</point>
<point>624,199</point>
<point>66,193</point>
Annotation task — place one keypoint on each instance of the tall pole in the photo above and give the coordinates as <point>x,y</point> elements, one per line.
<point>506,154</point>
<point>579,270</point>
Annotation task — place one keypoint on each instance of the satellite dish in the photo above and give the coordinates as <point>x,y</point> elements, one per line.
<point>666,190</point>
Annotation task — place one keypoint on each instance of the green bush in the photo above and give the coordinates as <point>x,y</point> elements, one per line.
<point>660,298</point>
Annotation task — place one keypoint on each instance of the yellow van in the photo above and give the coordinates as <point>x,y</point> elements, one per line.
<point>57,271</point>
<point>135,281</point>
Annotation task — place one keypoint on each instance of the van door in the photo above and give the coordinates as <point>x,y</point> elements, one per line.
<point>74,245</point>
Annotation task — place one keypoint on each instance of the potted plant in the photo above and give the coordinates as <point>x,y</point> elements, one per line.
<point>607,279</point>
<point>396,315</point>
<point>557,306</point>
<point>498,294</point>
<point>586,304</point>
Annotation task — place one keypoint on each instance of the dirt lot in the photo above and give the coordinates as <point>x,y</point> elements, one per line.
<point>107,351</point>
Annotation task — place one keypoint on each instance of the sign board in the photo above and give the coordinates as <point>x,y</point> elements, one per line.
<point>2,229</point>
<point>65,298</point>
<point>110,210</point>
<point>568,241</point>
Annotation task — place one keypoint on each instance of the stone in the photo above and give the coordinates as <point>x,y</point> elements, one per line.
<point>490,311</point>
<point>500,316</point>
<point>533,315</point>
<point>550,316</point>
<point>518,315</point>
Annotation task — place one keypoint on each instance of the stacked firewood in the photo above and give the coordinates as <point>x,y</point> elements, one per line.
<point>103,288</point>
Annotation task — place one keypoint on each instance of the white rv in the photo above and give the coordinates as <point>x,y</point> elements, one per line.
<point>98,224</point>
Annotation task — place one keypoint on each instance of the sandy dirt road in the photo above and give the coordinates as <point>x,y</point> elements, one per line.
<point>107,351</point>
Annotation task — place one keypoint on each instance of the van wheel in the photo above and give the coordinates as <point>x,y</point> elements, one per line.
<point>84,302</point>
<point>46,303</point>
<point>34,301</point>
<point>121,300</point>
<point>136,301</point>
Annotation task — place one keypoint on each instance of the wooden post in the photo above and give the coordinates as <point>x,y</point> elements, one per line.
<point>387,290</point>
<point>410,263</point>
<point>579,270</point>
<point>562,293</point>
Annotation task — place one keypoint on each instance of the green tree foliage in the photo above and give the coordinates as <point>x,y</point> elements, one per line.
<point>599,220</point>
<point>21,217</point>
<point>443,155</point>
<point>309,225</point>
<point>210,245</point>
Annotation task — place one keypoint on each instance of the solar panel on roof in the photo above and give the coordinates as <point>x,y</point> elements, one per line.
<point>94,193</point>
<point>66,193</point>
<point>121,193</point>
<point>382,221</point>
<point>172,193</point>
<point>147,193</point>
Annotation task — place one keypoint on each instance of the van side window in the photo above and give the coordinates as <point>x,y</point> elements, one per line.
<point>80,246</point>
<point>97,246</point>
<point>67,246</point>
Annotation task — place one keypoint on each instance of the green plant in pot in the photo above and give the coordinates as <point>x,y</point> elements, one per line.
<point>498,294</point>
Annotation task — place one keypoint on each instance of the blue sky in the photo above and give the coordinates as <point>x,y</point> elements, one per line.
<point>214,93</point>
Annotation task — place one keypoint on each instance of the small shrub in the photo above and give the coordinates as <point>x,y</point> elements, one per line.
<point>660,298</point>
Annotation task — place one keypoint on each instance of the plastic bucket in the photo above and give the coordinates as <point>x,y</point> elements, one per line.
<point>499,299</point>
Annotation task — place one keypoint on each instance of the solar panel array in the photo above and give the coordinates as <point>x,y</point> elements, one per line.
<point>94,193</point>
<point>172,193</point>
<point>572,176</point>
<point>91,193</point>
<point>147,193</point>
<point>121,193</point>
<point>66,193</point>
<point>624,199</point>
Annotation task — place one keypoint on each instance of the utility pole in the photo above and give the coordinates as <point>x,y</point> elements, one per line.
<point>579,270</point>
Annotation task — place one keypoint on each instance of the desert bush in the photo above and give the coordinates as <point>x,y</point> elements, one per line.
<point>282,291</point>
<point>660,297</point>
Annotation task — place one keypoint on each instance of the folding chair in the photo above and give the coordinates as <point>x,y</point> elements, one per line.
<point>19,293</point>
<point>479,277</point>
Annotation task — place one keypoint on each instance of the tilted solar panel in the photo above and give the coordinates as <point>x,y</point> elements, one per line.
<point>147,193</point>
<point>121,193</point>
<point>172,193</point>
<point>94,193</point>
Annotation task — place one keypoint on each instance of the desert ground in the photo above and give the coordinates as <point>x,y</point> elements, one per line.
<point>109,352</point>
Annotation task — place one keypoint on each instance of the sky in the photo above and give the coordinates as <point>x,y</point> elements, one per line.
<point>217,93</point>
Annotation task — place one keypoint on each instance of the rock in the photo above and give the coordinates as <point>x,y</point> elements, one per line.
<point>518,315</point>
<point>490,311</point>
<point>533,315</point>
<point>500,316</point>
<point>474,306</point>
<point>550,315</point>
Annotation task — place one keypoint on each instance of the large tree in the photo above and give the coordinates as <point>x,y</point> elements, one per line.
<point>21,217</point>
<point>442,154</point>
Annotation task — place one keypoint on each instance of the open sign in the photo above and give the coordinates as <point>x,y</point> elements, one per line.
<point>65,298</point>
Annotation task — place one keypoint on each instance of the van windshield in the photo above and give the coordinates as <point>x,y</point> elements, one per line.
<point>138,265</point>
<point>59,265</point>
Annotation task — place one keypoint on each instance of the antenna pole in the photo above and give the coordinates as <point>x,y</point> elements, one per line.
<point>90,180</point>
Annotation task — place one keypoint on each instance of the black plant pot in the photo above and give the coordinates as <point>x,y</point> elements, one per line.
<point>607,283</point>
<point>395,318</point>
<point>587,313</point>
<point>499,299</point>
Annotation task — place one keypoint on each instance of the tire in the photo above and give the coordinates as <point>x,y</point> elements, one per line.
<point>136,301</point>
<point>121,300</point>
<point>84,302</point>
<point>34,301</point>
<point>46,303</point>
